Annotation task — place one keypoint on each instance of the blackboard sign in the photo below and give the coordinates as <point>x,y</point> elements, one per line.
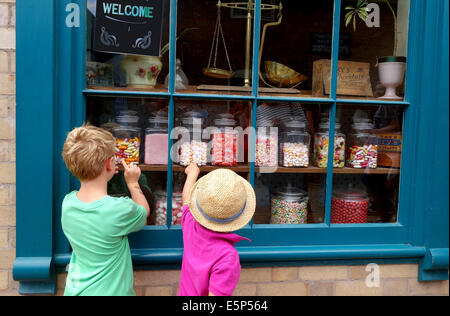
<point>129,26</point>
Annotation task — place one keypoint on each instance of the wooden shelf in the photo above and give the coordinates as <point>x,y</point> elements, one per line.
<point>264,93</point>
<point>245,168</point>
<point>242,168</point>
<point>317,170</point>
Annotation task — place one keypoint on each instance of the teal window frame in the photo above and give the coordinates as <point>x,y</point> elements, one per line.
<point>55,93</point>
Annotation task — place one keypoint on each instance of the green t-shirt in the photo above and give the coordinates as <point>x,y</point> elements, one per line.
<point>101,258</point>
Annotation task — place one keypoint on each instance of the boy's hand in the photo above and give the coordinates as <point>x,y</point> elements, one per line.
<point>132,173</point>
<point>192,170</point>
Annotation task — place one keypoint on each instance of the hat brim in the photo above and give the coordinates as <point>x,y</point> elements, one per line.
<point>235,225</point>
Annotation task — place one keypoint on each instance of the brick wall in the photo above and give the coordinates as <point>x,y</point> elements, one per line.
<point>395,280</point>
<point>344,280</point>
<point>7,145</point>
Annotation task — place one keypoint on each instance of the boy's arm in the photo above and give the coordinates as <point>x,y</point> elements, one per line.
<point>192,172</point>
<point>132,174</point>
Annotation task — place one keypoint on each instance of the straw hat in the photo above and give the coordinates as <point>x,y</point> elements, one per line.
<point>222,201</point>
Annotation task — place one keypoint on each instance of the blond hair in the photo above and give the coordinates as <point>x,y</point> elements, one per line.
<point>86,150</point>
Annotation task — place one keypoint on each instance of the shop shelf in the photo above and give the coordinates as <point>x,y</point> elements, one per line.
<point>159,91</point>
<point>335,171</point>
<point>244,168</point>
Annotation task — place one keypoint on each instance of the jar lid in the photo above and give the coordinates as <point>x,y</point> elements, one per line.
<point>192,121</point>
<point>159,113</point>
<point>155,129</point>
<point>296,133</point>
<point>351,194</point>
<point>225,116</point>
<point>192,118</point>
<point>295,123</point>
<point>128,112</point>
<point>224,122</point>
<point>290,192</point>
<point>191,114</point>
<point>127,119</point>
<point>326,125</point>
<point>158,120</point>
<point>362,126</point>
<point>129,129</point>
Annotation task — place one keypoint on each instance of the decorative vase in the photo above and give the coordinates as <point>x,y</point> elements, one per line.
<point>141,71</point>
<point>391,71</point>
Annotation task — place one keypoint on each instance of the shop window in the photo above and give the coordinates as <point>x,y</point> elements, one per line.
<point>313,137</point>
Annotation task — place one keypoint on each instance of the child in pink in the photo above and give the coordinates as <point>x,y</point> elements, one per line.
<point>214,206</point>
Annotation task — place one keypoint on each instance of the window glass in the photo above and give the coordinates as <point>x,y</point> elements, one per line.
<point>291,148</point>
<point>107,69</point>
<point>140,127</point>
<point>292,41</point>
<point>366,190</point>
<point>290,181</point>
<point>213,134</point>
<point>215,47</point>
<point>374,51</point>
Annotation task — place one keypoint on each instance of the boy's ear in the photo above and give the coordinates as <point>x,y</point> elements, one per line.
<point>110,164</point>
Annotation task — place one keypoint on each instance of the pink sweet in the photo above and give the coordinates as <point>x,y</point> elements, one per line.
<point>156,149</point>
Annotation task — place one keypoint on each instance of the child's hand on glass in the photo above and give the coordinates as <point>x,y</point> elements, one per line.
<point>193,170</point>
<point>132,173</point>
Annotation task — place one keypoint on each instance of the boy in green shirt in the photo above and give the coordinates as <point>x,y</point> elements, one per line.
<point>96,224</point>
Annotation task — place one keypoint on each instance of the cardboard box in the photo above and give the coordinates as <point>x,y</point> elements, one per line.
<point>389,150</point>
<point>353,78</point>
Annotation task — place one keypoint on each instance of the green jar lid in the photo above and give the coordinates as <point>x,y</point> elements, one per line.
<point>392,59</point>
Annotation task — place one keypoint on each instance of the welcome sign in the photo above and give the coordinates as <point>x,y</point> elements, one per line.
<point>129,26</point>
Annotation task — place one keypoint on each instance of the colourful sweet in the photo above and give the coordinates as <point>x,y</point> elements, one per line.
<point>224,149</point>
<point>360,157</point>
<point>321,151</point>
<point>286,212</point>
<point>295,155</point>
<point>193,151</point>
<point>266,151</point>
<point>127,149</point>
<point>161,211</point>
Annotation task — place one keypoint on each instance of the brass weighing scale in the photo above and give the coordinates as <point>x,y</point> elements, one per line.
<point>283,78</point>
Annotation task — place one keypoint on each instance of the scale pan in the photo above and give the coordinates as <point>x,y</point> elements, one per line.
<point>217,73</point>
<point>283,76</point>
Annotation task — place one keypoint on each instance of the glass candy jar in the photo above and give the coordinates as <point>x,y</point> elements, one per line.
<point>128,142</point>
<point>160,214</point>
<point>157,141</point>
<point>362,150</point>
<point>294,145</point>
<point>224,142</point>
<point>349,207</point>
<point>193,148</point>
<point>289,205</point>
<point>321,141</point>
<point>266,153</point>
<point>127,120</point>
